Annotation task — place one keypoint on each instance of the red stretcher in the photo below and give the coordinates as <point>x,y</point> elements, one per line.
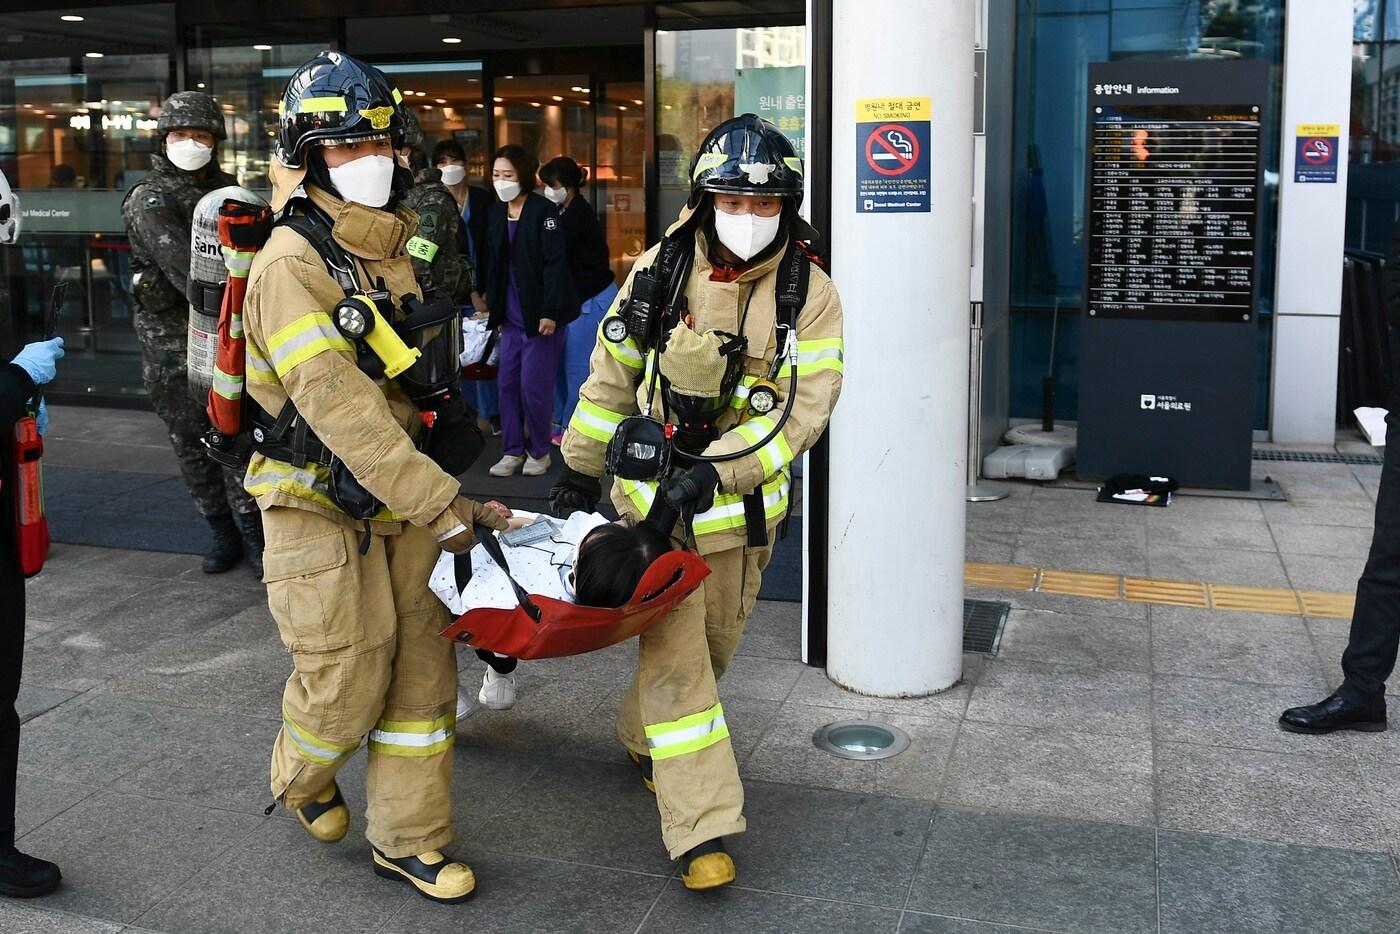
<point>544,627</point>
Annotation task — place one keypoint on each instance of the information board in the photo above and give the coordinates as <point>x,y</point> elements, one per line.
<point>1169,330</point>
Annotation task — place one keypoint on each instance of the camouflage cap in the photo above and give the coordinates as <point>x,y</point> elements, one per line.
<point>193,109</point>
<point>412,130</point>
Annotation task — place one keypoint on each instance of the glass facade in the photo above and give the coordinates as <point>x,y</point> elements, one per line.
<point>1373,175</point>
<point>1056,41</point>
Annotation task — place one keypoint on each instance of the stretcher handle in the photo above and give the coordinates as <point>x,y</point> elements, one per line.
<point>488,540</point>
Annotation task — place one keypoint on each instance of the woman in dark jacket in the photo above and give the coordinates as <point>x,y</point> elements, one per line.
<point>531,297</point>
<point>594,284</point>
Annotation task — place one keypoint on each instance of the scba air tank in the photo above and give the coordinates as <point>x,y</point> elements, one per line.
<point>207,277</point>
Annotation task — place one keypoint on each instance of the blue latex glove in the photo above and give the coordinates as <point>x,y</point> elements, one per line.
<point>42,417</point>
<point>40,360</point>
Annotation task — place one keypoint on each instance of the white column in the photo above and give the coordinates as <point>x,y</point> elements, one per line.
<point>1312,220</point>
<point>899,434</point>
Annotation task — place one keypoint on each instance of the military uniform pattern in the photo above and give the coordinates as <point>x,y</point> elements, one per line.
<point>158,212</point>
<point>438,262</point>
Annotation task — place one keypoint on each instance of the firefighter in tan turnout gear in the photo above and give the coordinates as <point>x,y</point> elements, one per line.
<point>358,436</point>
<point>729,281</point>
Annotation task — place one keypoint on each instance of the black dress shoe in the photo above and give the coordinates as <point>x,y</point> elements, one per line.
<point>23,876</point>
<point>1335,713</point>
<point>227,550</point>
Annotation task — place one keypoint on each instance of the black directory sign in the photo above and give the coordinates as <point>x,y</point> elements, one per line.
<point>1173,178</point>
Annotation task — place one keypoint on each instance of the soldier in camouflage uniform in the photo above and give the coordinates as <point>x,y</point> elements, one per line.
<point>438,262</point>
<point>158,212</point>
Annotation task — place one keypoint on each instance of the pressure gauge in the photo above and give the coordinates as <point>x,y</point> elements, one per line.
<point>615,330</point>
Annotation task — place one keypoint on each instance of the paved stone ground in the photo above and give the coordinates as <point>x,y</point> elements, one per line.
<point>1115,769</point>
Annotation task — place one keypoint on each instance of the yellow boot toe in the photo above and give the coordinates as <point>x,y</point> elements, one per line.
<point>709,871</point>
<point>434,876</point>
<point>327,818</point>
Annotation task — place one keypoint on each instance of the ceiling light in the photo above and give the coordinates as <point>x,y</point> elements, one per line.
<point>200,85</point>
<point>440,100</point>
<point>558,98</point>
<point>576,89</point>
<point>263,48</point>
<point>427,106</point>
<point>638,103</point>
<point>621,106</point>
<point>421,93</point>
<point>71,18</point>
<point>30,106</point>
<point>534,103</point>
<point>93,55</point>
<point>451,40</point>
<point>498,99</point>
<point>508,78</point>
<point>480,106</point>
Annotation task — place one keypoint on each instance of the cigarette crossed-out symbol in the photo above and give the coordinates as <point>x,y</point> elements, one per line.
<point>892,149</point>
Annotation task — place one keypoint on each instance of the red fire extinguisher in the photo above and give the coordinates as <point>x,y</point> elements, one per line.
<point>31,525</point>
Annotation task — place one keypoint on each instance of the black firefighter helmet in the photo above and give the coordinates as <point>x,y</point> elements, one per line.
<point>336,97</point>
<point>746,155</point>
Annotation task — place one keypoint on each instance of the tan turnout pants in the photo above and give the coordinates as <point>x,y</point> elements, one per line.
<point>672,711</point>
<point>367,659</point>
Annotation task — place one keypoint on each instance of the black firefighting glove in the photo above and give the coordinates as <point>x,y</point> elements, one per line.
<point>573,492</point>
<point>691,490</point>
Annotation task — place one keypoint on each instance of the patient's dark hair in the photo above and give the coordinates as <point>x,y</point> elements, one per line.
<point>612,559</point>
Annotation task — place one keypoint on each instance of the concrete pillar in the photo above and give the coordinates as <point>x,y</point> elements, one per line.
<point>1312,221</point>
<point>899,434</point>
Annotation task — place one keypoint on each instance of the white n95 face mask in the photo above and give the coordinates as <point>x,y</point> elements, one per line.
<point>189,154</point>
<point>746,235</point>
<point>366,180</point>
<point>453,174</point>
<point>557,195</point>
<point>507,191</point>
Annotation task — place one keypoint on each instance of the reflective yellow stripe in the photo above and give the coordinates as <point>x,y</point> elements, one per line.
<point>688,734</point>
<point>259,370</point>
<point>727,513</point>
<point>741,392</point>
<point>776,454</point>
<point>311,483</point>
<point>828,353</point>
<point>227,385</point>
<point>238,262</point>
<point>422,249</point>
<point>627,353</point>
<point>398,96</point>
<point>594,421</point>
<point>413,739</point>
<point>320,751</point>
<point>303,339</point>
<point>311,105</point>
<point>235,326</point>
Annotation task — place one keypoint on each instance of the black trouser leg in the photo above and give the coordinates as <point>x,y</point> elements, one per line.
<point>500,664</point>
<point>11,661</point>
<point>1375,624</point>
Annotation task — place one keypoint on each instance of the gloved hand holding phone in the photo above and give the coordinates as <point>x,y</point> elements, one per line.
<point>40,360</point>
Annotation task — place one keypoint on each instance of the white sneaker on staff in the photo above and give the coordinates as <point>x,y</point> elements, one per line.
<point>497,690</point>
<point>508,465</point>
<point>536,466</point>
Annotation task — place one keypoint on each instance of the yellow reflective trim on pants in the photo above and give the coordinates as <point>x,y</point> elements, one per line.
<point>414,739</point>
<point>688,734</point>
<point>306,337</point>
<point>627,353</point>
<point>313,105</point>
<point>594,421</point>
<point>227,385</point>
<point>420,248</point>
<point>727,513</point>
<point>320,751</point>
<point>776,454</point>
<point>259,370</point>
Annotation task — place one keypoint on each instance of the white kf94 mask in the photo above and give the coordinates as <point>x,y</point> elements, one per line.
<point>189,154</point>
<point>366,180</point>
<point>746,235</point>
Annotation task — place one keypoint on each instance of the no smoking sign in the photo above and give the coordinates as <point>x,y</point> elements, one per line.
<point>1317,158</point>
<point>892,156</point>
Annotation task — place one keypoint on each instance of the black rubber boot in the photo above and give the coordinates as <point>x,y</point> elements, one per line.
<point>436,877</point>
<point>228,545</point>
<point>23,876</point>
<point>251,526</point>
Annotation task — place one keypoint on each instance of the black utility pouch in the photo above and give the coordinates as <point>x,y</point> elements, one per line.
<point>454,441</point>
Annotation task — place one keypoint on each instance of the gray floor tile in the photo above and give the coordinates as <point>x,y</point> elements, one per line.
<point>34,700</point>
<point>80,592</point>
<point>1210,712</point>
<point>1265,796</point>
<point>1077,641</point>
<point>516,895</point>
<point>1383,782</point>
<point>1041,872</point>
<point>265,883</point>
<point>1106,556</point>
<point>1050,771</point>
<point>1233,652</point>
<point>95,740</point>
<point>1038,695</point>
<point>991,546</point>
<point>1352,513</point>
<point>828,844</point>
<point>921,770</point>
<point>35,918</point>
<point>1215,508</point>
<point>181,607</point>
<point>1172,530</point>
<point>584,812</point>
<point>815,689</point>
<point>1230,620</point>
<point>774,630</point>
<point>552,716</point>
<point>217,763</point>
<point>122,854</point>
<point>614,665</point>
<point>749,720</point>
<point>786,753</point>
<point>39,799</point>
<point>737,909</point>
<point>1331,574</point>
<point>763,678</point>
<point>1331,485</point>
<point>35,626</point>
<point>918,923</point>
<point>1215,565</point>
<point>1215,884</point>
<point>1068,606</point>
<point>1335,541</point>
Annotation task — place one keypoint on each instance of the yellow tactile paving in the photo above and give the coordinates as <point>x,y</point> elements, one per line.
<point>1279,601</point>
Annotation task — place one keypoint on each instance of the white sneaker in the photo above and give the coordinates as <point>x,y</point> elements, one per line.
<point>465,705</point>
<point>497,690</point>
<point>507,465</point>
<point>536,466</point>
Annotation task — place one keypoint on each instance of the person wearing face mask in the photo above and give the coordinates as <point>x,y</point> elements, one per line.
<point>438,261</point>
<point>734,252</point>
<point>357,499</point>
<point>158,212</point>
<point>531,297</point>
<point>587,247</point>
